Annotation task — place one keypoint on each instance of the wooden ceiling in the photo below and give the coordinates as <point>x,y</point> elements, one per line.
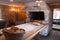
<point>25,1</point>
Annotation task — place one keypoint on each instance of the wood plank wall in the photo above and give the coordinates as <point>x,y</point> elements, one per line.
<point>14,16</point>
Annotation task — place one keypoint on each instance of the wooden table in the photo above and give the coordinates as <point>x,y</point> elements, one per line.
<point>29,33</point>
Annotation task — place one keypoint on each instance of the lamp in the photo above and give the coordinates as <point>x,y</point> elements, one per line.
<point>38,3</point>
<point>13,7</point>
<point>11,0</point>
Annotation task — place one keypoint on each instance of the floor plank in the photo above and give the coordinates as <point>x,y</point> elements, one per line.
<point>54,35</point>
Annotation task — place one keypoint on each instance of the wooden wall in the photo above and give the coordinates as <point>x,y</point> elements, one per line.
<point>12,15</point>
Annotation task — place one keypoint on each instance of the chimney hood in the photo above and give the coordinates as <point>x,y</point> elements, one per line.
<point>33,6</point>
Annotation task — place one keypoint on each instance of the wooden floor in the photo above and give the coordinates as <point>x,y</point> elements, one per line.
<point>54,35</point>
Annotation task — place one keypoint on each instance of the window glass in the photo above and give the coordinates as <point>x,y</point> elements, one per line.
<point>56,14</point>
<point>0,14</point>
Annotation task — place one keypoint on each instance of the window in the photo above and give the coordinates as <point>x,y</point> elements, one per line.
<point>56,13</point>
<point>0,14</point>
